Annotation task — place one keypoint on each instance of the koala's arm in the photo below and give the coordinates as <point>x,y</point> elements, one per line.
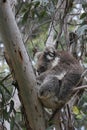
<point>42,76</point>
<point>70,81</point>
<point>56,71</point>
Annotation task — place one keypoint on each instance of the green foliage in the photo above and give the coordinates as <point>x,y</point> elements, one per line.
<point>37,42</point>
<point>33,10</point>
<point>7,110</point>
<point>81,30</point>
<point>80,112</point>
<point>83,15</point>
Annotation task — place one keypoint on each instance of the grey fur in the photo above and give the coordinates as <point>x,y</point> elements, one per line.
<point>58,81</point>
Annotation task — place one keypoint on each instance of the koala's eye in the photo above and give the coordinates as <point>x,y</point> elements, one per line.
<point>50,56</point>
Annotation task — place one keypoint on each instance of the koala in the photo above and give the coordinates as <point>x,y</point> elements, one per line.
<point>59,73</point>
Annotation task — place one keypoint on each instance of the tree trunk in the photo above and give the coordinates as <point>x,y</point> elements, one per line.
<point>21,67</point>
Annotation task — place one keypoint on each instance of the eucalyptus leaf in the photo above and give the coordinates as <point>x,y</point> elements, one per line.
<point>79,116</point>
<point>81,30</point>
<point>83,15</point>
<point>75,110</point>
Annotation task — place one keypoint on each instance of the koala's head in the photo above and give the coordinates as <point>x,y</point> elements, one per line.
<point>46,59</point>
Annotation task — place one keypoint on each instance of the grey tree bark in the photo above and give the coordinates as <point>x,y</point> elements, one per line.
<point>21,67</point>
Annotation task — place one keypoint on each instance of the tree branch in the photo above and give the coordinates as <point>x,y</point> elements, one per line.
<point>21,66</point>
<point>80,87</point>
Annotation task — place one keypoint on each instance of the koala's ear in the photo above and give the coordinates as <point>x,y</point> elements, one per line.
<point>50,53</point>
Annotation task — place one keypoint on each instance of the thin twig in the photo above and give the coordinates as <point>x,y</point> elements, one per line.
<point>81,87</point>
<point>5,78</point>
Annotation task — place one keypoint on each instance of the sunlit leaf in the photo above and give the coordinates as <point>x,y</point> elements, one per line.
<point>75,110</point>
<point>79,116</point>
